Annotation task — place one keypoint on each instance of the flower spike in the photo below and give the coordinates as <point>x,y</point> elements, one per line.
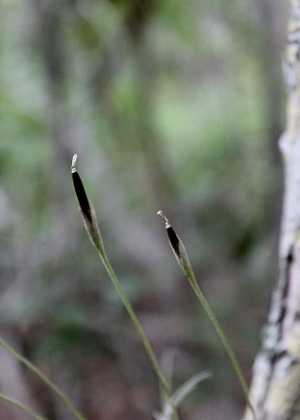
<point>86,207</point>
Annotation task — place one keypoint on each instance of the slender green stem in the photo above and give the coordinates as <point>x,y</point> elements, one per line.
<point>91,225</point>
<point>139,328</point>
<point>44,378</point>
<point>191,277</point>
<point>21,406</point>
<point>182,258</point>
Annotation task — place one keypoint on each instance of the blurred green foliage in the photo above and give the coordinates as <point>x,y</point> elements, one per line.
<point>168,106</point>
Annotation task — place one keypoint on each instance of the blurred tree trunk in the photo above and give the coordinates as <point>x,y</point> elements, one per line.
<point>275,389</point>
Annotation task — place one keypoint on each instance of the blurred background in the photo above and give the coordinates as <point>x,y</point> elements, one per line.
<point>171,105</point>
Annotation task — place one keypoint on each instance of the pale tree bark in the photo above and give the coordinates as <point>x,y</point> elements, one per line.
<point>275,388</point>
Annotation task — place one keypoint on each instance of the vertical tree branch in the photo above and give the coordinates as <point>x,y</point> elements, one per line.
<point>275,390</point>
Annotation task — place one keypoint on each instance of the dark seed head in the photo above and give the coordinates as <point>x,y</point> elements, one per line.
<point>177,247</point>
<point>81,195</point>
<point>80,192</point>
<point>174,241</point>
<point>87,209</point>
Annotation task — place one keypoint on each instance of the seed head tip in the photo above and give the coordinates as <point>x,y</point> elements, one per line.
<point>161,214</point>
<point>73,169</point>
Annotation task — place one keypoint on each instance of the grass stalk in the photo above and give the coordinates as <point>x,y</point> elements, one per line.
<point>223,338</point>
<point>91,225</point>
<point>140,331</point>
<point>180,253</point>
<point>44,378</point>
<point>21,406</point>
